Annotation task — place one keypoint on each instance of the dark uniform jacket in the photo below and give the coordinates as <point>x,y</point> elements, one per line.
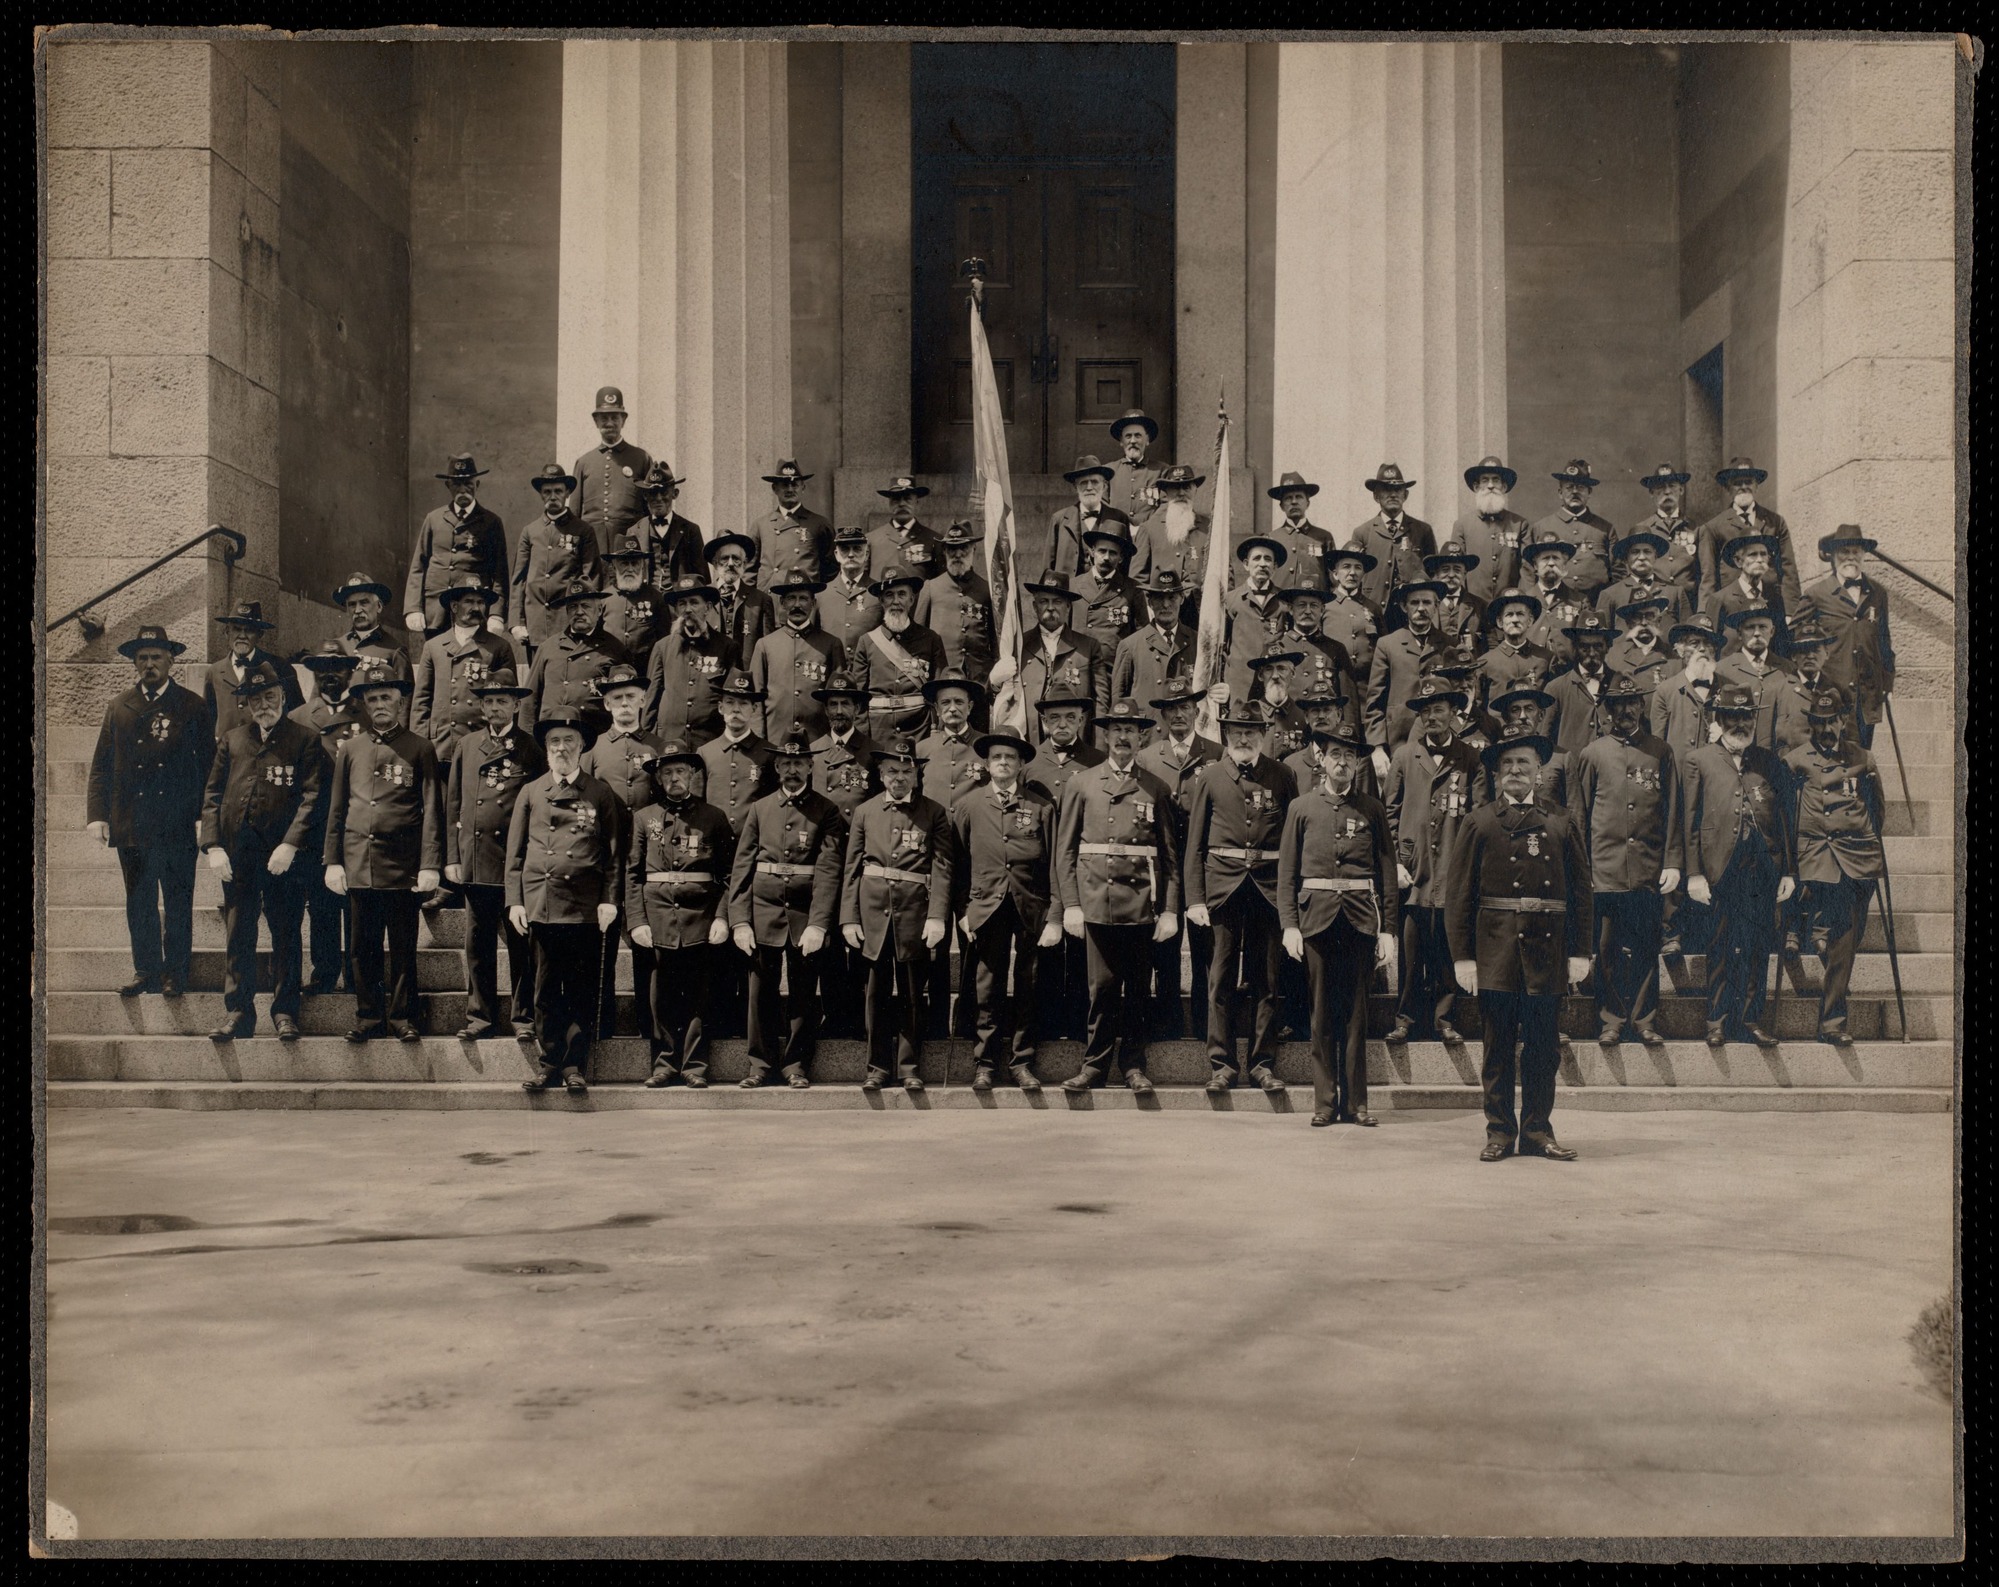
<point>334,723</point>
<point>783,543</point>
<point>1592,536</point>
<point>1177,769</point>
<point>1792,727</point>
<point>1508,852</point>
<point>1304,768</point>
<point>1396,561</point>
<point>737,774</point>
<point>1079,670</point>
<point>1125,490</point>
<point>1646,668</point>
<point>485,784</point>
<point>1153,551</point>
<point>1052,770</point>
<point>1232,827</point>
<point>806,841</point>
<point>1551,779</point>
<point>845,772</point>
<point>747,616</point>
<point>1147,659</point>
<point>1305,549</point>
<point>915,546</point>
<point>218,689</point>
<point>550,553</point>
<point>1563,610</point>
<point>1289,731</point>
<point>789,666</point>
<point>567,671</point>
<point>960,613</point>
<point>1616,597</point>
<point>1427,796</point>
<point>1503,668</point>
<point>151,767</point>
<point>1724,527</point>
<point>1679,563</point>
<point>385,815</point>
<point>1497,547</point>
<point>450,552</point>
<point>950,769</point>
<point>263,792</point>
<point>1355,623</point>
<point>677,871</point>
<point>677,547</point>
<point>1765,689</point>
<point>1000,852</point>
<point>896,667</point>
<point>1860,658</point>
<point>1578,717</point>
<point>607,488</point>
<point>618,761</point>
<point>1720,805</point>
<point>636,620</point>
<point>1680,713</point>
<point>1067,528</point>
<point>1109,610</point>
<point>898,874</point>
<point>1836,809</point>
<point>1327,838</point>
<point>1398,663</point>
<point>684,685</point>
<point>443,707</point>
<point>1130,813</point>
<point>1731,598</point>
<point>847,611</point>
<point>1627,800</point>
<point>376,649</point>
<point>565,851</point>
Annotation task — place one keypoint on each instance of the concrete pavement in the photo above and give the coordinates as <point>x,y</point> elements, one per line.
<point>973,1322</point>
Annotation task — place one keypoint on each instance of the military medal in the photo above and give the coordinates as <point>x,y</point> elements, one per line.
<point>1534,844</point>
<point>162,727</point>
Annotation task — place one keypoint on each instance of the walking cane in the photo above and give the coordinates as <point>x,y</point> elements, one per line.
<point>1888,913</point>
<point>1895,738</point>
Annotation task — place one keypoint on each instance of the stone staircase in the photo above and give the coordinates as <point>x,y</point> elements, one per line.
<point>106,1051</point>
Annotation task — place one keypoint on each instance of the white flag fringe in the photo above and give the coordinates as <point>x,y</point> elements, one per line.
<point>992,492</point>
<point>1212,632</point>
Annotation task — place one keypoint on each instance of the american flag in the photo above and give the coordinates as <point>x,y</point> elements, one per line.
<point>1212,633</point>
<point>992,493</point>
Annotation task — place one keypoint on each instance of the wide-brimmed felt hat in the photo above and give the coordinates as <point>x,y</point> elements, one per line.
<point>795,742</point>
<point>1575,472</point>
<point>628,548</point>
<point>954,678</point>
<point>998,738</point>
<point>959,537</point>
<point>1088,464</point>
<point>895,573</point>
<point>1512,597</point>
<point>374,673</point>
<point>1178,690</point>
<point>739,685</point>
<point>1490,465</point>
<point>1418,586</point>
<point>1623,686</point>
<point>1244,713</point>
<point>903,485</point>
<point>1052,582</point>
<point>502,680</point>
<point>1311,586</point>
<point>331,656</point>
<point>1109,537</point>
<point>468,587</point>
<point>1848,537</point>
<point>1827,703</point>
<point>841,685</point>
<point>578,591</point>
<point>361,584</point>
<point>1289,482</point>
<point>1434,687</point>
<point>1587,624</point>
<point>553,474</point>
<point>1135,416</point>
<point>689,586</point>
<point>1732,699</point>
<point>1664,474</point>
<point>1658,542</point>
<point>1741,543</point>
<point>721,542</point>
<point>674,752</point>
<point>1337,738</point>
<point>1539,743</point>
<point>619,675</point>
<point>259,678</point>
<point>1750,614</point>
<point>1741,468</point>
<point>564,716</point>
<point>1644,604</point>
<point>1276,547</point>
<point>1275,655</point>
<point>460,467</point>
<point>1448,664</point>
<point>1451,551</point>
<point>609,399</point>
<point>796,578</point>
<point>661,477</point>
<point>1166,582</point>
<point>1696,624</point>
<point>1057,702</point>
<point>1548,540</point>
<point>1541,699</point>
<point>894,746</point>
<point>246,614</point>
<point>850,535</point>
<point>1389,477</point>
<point>1351,553</point>
<point>786,473</point>
<point>1180,474</point>
<point>1123,711</point>
<point>1805,632</point>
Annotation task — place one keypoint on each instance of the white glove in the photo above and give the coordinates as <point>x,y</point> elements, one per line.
<point>496,625</point>
<point>1388,956</point>
<point>336,881</point>
<point>642,936</point>
<point>1578,970</point>
<point>101,830</point>
<point>933,932</point>
<point>855,937</point>
<point>1072,922</point>
<point>1466,970</point>
<point>1218,695</point>
<point>746,939</point>
<point>1402,876</point>
<point>1197,915</point>
<point>1294,942</point>
<point>1786,885</point>
<point>454,873</point>
<point>413,621</point>
<point>1699,891</point>
<point>607,916</point>
<point>1380,759</point>
<point>1051,933</point>
<point>1002,673</point>
<point>1669,881</point>
<point>517,915</point>
<point>718,932</point>
<point>426,882</point>
<point>281,858</point>
<point>1169,925</point>
<point>520,632</point>
<point>218,862</point>
<point>811,940</point>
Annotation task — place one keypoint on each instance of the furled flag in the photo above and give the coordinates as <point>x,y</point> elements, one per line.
<point>1213,630</point>
<point>992,491</point>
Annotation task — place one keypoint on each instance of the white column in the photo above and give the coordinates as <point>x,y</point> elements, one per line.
<point>1390,286</point>
<point>675,260</point>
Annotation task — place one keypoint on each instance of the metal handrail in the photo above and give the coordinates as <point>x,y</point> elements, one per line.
<point>1909,572</point>
<point>91,627</point>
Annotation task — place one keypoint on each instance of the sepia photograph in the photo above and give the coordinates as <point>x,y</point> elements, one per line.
<point>890,793</point>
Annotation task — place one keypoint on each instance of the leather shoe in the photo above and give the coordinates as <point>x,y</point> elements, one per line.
<point>982,1079</point>
<point>1079,1081</point>
<point>1650,1036</point>
<point>1450,1034</point>
<point>694,1082</point>
<point>874,1080</point>
<point>1024,1078</point>
<point>361,1033</point>
<point>1495,1150</point>
<point>1267,1078</point>
<point>1220,1080</point>
<point>135,988</point>
<point>287,1027</point>
<point>1138,1081</point>
<point>913,1083</point>
<point>235,1030</point>
<point>659,1078</point>
<point>1362,1117</point>
<point>798,1082</point>
<point>574,1083</point>
<point>1717,1037</point>
<point>1760,1036</point>
<point>1398,1032</point>
<point>170,986</point>
<point>1609,1038</point>
<point>1554,1151</point>
<point>749,1083</point>
<point>474,1032</point>
<point>1322,1118</point>
<point>318,987</point>
<point>1837,1038</point>
<point>542,1081</point>
<point>1670,948</point>
<point>403,1030</point>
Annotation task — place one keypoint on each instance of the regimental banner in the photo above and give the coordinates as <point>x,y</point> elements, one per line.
<point>1213,630</point>
<point>992,492</point>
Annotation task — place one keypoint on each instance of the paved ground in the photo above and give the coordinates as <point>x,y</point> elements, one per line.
<point>1011,1322</point>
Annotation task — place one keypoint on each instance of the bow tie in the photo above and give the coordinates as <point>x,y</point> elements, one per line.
<point>895,804</point>
<point>1492,517</point>
<point>1855,584</point>
<point>604,447</point>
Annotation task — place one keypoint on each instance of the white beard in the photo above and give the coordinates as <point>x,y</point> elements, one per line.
<point>1179,519</point>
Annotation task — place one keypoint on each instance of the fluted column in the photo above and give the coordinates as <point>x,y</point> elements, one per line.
<point>1390,292</point>
<point>676,280</point>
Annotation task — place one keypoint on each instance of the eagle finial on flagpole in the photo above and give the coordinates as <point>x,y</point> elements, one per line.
<point>974,270</point>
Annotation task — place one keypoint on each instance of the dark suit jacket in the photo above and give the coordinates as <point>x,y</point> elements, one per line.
<point>890,911</point>
<point>385,814</point>
<point>1324,837</point>
<point>1505,852</point>
<point>1234,812</point>
<point>1719,806</point>
<point>263,792</point>
<point>151,767</point>
<point>997,855</point>
<point>810,832</point>
<point>218,689</point>
<point>565,851</point>
<point>448,552</point>
<point>479,801</point>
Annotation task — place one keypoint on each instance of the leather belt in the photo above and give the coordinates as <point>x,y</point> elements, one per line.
<point>1252,856</point>
<point>1525,906</point>
<point>890,873</point>
<point>1130,851</point>
<point>1336,884</point>
<point>775,868</point>
<point>896,702</point>
<point>682,877</point>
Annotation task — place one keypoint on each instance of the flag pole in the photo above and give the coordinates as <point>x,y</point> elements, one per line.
<point>1212,629</point>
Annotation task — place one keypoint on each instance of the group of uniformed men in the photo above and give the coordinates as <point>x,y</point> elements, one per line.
<point>1486,763</point>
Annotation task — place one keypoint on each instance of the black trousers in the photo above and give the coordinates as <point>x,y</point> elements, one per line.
<point>1064,991</point>
<point>1174,996</point>
<point>326,911</point>
<point>159,880</point>
<point>682,981</point>
<point>1246,926</point>
<point>1004,1027</point>
<point>1120,964</point>
<point>372,914</point>
<point>254,891</point>
<point>642,975</point>
<point>1743,938</point>
<point>566,966</point>
<point>768,1015</point>
<point>1628,930</point>
<point>1428,982</point>
<point>1841,908</point>
<point>946,1016</point>
<point>1339,965</point>
<point>897,992</point>
<point>485,923</point>
<point>1530,1020</point>
<point>843,980</point>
